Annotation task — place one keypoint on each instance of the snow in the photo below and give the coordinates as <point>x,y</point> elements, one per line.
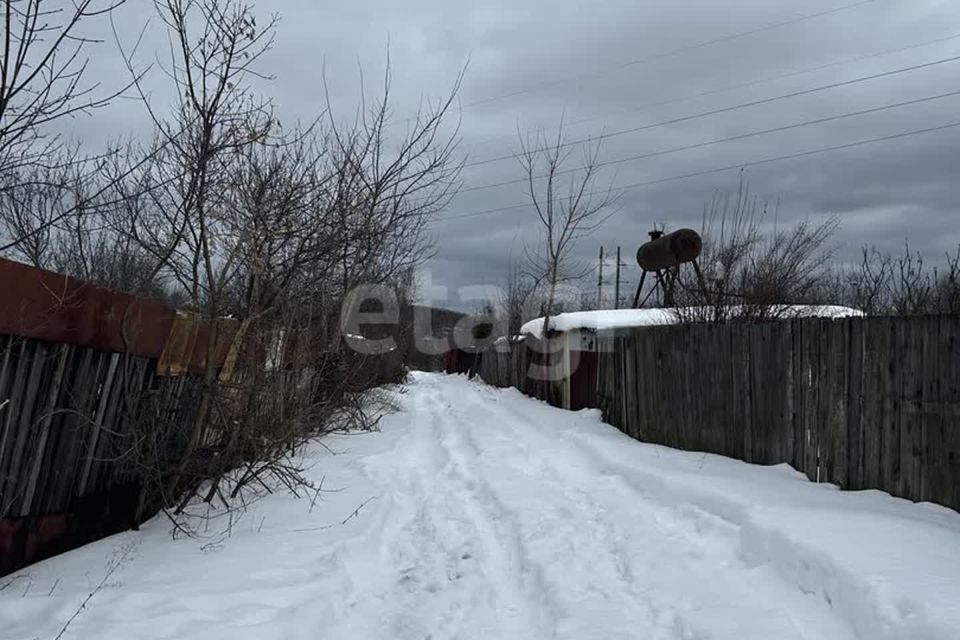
<point>479,513</point>
<point>603,319</point>
<point>609,319</point>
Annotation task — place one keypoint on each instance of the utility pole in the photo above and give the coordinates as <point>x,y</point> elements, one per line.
<point>600,282</point>
<point>616,302</point>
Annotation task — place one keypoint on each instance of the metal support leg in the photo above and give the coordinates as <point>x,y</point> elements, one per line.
<point>636,298</point>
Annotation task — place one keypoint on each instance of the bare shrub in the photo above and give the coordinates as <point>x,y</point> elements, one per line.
<point>753,269</point>
<point>903,284</point>
<point>258,233</point>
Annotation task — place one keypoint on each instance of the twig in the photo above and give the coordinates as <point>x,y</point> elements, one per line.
<point>213,544</point>
<point>96,590</point>
<point>354,514</point>
<point>325,446</point>
<point>10,582</point>
<point>316,494</point>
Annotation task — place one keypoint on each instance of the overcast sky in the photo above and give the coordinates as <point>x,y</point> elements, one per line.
<point>615,64</point>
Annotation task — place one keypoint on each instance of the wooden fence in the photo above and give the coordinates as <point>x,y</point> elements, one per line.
<point>510,364</point>
<point>506,365</point>
<point>863,403</point>
<point>80,367</point>
<point>67,418</point>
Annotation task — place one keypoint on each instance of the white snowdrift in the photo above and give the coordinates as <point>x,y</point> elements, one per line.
<point>609,319</point>
<point>888,566</point>
<point>479,513</point>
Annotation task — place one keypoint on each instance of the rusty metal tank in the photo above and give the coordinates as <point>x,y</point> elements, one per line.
<point>670,250</point>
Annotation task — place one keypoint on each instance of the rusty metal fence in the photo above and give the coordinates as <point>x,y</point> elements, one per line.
<point>79,367</point>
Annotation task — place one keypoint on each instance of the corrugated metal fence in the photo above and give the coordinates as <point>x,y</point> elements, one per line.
<point>863,403</point>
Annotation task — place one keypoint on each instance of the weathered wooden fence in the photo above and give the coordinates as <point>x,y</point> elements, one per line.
<point>80,367</point>
<point>863,403</point>
<point>66,419</point>
<point>505,365</point>
<point>511,364</point>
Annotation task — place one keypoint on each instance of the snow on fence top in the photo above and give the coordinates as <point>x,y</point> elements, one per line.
<point>609,319</point>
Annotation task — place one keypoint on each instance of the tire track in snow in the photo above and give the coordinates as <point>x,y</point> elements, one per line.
<point>690,539</point>
<point>452,570</point>
<point>624,567</point>
<point>499,539</point>
<point>694,523</point>
<point>685,521</point>
<point>424,590</point>
<point>581,578</point>
<point>649,522</point>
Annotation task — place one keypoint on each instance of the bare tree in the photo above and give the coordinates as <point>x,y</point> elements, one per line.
<point>33,203</point>
<point>272,227</point>
<point>216,45</point>
<point>515,307</point>
<point>516,297</point>
<point>186,227</point>
<point>236,216</point>
<point>568,205</point>
<point>48,187</point>
<point>60,219</point>
<point>43,68</point>
<point>948,284</point>
<point>384,193</point>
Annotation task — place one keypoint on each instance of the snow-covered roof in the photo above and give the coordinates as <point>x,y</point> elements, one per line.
<point>609,319</point>
<point>603,319</point>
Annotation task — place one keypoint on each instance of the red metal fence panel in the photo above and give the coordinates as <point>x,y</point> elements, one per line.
<point>53,307</point>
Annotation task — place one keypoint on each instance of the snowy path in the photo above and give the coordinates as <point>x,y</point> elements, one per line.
<point>494,516</point>
<point>561,555</point>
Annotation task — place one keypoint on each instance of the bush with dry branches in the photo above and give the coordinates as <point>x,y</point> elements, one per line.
<point>231,215</point>
<point>753,268</point>
<point>903,284</point>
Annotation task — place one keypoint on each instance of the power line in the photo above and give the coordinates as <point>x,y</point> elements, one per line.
<point>737,107</point>
<point>742,85</point>
<point>673,52</point>
<point>743,136</point>
<point>745,165</point>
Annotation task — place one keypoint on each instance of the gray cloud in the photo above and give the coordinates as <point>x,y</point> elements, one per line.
<point>569,59</point>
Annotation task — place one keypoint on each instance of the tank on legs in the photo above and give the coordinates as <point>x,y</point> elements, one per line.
<point>670,250</point>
